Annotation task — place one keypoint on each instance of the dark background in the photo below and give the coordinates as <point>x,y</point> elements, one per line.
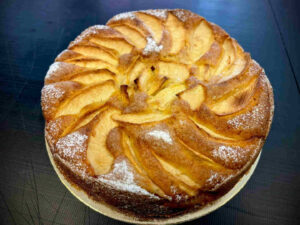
<point>32,33</point>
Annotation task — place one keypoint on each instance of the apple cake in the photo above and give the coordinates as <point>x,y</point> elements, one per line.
<point>157,113</point>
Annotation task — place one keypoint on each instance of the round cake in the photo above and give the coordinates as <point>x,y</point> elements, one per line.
<point>157,113</point>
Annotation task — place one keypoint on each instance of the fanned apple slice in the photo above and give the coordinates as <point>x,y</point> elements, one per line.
<point>153,23</point>
<point>118,44</point>
<point>212,56</point>
<point>93,77</point>
<point>194,96</point>
<point>67,55</point>
<point>86,115</point>
<point>235,100</point>
<point>94,64</point>
<point>228,57</point>
<point>136,71</point>
<point>238,66</point>
<point>149,82</point>
<point>99,93</point>
<point>177,33</point>
<point>209,131</point>
<point>174,71</point>
<point>96,52</point>
<point>134,36</point>
<point>140,118</point>
<point>177,173</point>
<point>98,155</point>
<point>200,40</point>
<point>231,154</point>
<point>120,146</point>
<point>166,96</point>
<point>169,184</point>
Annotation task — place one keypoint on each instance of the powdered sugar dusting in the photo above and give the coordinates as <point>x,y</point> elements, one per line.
<point>53,68</point>
<point>212,179</point>
<point>78,168</point>
<point>160,13</point>
<point>101,27</point>
<point>52,130</point>
<point>122,178</point>
<point>249,119</point>
<point>180,15</point>
<point>72,144</point>
<point>51,93</point>
<point>151,47</point>
<point>227,154</point>
<point>216,180</point>
<point>161,135</point>
<point>121,16</point>
<point>88,32</point>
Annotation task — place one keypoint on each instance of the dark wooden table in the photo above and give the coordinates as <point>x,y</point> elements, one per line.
<point>32,33</point>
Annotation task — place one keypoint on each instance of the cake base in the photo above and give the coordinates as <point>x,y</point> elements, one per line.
<point>111,212</point>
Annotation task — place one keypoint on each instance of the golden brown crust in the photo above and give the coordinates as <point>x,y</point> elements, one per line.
<point>156,113</point>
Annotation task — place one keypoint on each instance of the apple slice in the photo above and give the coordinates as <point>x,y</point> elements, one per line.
<point>149,82</point>
<point>96,52</point>
<point>93,77</point>
<point>228,57</point>
<point>132,35</point>
<point>174,71</point>
<point>118,44</point>
<point>136,71</point>
<point>178,174</point>
<point>140,118</point>
<point>194,96</point>
<point>200,40</point>
<point>210,131</point>
<point>240,63</point>
<point>153,23</point>
<point>177,33</point>
<point>166,96</point>
<point>234,101</point>
<point>98,155</point>
<point>99,93</point>
<point>94,64</point>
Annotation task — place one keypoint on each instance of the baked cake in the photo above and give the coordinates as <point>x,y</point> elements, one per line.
<point>157,113</point>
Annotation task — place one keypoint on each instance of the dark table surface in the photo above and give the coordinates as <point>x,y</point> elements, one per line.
<point>32,33</point>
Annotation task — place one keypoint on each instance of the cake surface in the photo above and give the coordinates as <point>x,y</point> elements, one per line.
<point>157,113</point>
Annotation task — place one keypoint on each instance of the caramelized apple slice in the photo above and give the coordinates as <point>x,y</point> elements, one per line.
<point>132,35</point>
<point>139,118</point>
<point>209,131</point>
<point>194,96</point>
<point>136,71</point>
<point>228,57</point>
<point>200,40</point>
<point>178,173</point>
<point>96,52</point>
<point>177,33</point>
<point>164,180</point>
<point>231,154</point>
<point>99,93</point>
<point>118,44</point>
<point>234,101</point>
<point>166,96</point>
<point>174,71</point>
<point>98,155</point>
<point>149,82</point>
<point>94,64</point>
<point>238,66</point>
<point>86,115</point>
<point>93,77</point>
<point>119,145</point>
<point>154,24</point>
